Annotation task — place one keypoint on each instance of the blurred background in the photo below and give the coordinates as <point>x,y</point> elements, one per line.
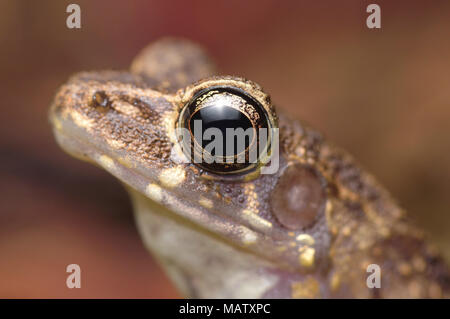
<point>384,95</point>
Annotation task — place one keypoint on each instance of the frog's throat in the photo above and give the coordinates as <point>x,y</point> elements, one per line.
<point>200,264</point>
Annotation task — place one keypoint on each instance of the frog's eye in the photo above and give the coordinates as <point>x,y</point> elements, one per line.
<point>226,129</point>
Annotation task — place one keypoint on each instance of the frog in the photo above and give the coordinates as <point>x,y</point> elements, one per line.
<point>311,228</point>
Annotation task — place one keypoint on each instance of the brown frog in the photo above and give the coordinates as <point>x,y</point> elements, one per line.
<point>308,229</point>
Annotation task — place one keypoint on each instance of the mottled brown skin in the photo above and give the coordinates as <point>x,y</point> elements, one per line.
<point>311,229</point>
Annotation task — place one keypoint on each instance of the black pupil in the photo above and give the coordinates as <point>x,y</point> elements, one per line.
<point>225,130</point>
<point>223,118</point>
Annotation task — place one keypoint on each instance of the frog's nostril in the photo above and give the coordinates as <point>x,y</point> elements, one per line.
<point>100,99</point>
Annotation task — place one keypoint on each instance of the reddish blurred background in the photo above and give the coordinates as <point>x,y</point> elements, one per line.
<point>382,94</point>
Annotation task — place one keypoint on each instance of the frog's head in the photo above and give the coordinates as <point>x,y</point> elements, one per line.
<point>232,213</point>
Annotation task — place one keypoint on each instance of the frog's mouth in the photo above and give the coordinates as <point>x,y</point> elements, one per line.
<point>220,222</point>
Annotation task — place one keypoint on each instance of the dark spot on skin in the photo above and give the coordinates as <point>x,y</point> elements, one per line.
<point>355,209</point>
<point>100,99</point>
<point>299,197</point>
<point>144,107</point>
<point>350,175</point>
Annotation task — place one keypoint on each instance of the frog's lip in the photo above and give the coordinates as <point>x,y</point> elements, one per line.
<point>78,143</point>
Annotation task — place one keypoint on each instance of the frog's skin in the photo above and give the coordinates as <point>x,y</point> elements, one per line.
<point>249,236</point>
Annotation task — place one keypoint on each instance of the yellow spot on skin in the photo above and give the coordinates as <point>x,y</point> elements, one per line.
<point>291,233</point>
<point>305,239</point>
<point>251,196</point>
<point>364,244</point>
<point>435,291</point>
<point>115,143</point>
<point>171,177</point>
<point>248,236</point>
<point>329,217</point>
<point>346,231</point>
<point>404,269</point>
<point>205,202</point>
<point>154,192</point>
<point>306,257</point>
<point>415,289</point>
<point>335,282</point>
<point>177,155</point>
<point>255,220</point>
<point>385,232</point>
<point>308,288</point>
<point>127,109</point>
<point>300,151</point>
<point>252,175</point>
<point>419,264</point>
<point>107,162</point>
<point>328,209</point>
<point>56,123</point>
<point>81,121</point>
<point>125,162</point>
<point>169,125</point>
